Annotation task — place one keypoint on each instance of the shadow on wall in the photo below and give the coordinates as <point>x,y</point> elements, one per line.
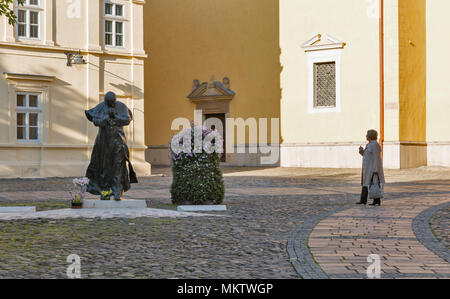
<point>66,106</point>
<point>128,88</point>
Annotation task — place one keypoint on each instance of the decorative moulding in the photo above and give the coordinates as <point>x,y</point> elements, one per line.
<point>214,90</point>
<point>28,77</point>
<point>314,44</point>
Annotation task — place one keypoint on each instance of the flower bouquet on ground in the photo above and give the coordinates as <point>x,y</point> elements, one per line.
<point>106,195</point>
<point>78,192</point>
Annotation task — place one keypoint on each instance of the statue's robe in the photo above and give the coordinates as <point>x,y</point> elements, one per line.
<point>108,168</point>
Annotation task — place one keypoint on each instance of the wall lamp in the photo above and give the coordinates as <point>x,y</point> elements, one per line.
<point>74,58</point>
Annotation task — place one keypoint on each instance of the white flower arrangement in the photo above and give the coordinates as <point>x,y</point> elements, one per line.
<point>80,187</point>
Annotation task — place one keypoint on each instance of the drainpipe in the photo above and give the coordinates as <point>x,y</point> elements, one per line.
<point>381,73</point>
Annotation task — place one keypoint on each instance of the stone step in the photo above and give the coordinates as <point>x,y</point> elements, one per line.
<point>112,204</point>
<point>206,208</point>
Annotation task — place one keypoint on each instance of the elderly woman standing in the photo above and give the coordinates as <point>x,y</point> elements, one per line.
<point>372,168</point>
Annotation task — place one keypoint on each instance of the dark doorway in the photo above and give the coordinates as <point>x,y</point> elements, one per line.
<point>221,117</point>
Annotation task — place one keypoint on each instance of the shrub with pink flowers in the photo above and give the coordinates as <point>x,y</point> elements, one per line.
<point>197,178</point>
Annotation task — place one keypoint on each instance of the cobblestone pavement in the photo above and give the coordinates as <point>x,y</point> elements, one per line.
<point>251,242</point>
<point>440,225</point>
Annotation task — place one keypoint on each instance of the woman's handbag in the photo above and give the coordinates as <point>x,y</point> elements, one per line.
<point>375,190</point>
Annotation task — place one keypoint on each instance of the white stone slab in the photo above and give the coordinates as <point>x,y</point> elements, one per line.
<point>112,204</point>
<point>103,214</point>
<point>214,208</point>
<point>17,210</point>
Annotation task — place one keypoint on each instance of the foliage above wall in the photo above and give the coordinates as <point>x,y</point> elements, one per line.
<point>6,9</point>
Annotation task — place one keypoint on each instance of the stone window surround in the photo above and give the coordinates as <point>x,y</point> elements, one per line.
<point>37,84</point>
<point>321,53</point>
<point>324,56</point>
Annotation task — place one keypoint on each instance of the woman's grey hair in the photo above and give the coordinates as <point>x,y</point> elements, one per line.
<point>372,134</point>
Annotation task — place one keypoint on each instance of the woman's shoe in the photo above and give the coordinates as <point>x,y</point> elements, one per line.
<point>361,203</point>
<point>376,202</point>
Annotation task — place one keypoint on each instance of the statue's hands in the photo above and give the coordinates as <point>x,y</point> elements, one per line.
<point>98,122</point>
<point>111,122</point>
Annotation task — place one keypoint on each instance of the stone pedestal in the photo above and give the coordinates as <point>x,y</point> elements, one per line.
<point>17,210</point>
<point>112,204</point>
<point>215,208</point>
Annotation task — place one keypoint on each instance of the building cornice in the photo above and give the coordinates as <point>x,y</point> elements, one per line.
<point>136,54</point>
<point>60,146</point>
<point>28,77</point>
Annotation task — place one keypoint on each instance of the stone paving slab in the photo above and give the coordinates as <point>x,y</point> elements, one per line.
<point>102,213</point>
<point>341,243</point>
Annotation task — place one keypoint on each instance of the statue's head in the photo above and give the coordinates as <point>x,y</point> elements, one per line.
<point>110,99</point>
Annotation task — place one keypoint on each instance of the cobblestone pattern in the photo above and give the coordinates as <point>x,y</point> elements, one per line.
<point>341,243</point>
<point>424,233</point>
<point>250,243</point>
<point>440,226</point>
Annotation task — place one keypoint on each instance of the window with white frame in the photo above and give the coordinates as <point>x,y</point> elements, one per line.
<point>114,26</point>
<point>29,19</point>
<point>28,116</point>
<point>324,73</point>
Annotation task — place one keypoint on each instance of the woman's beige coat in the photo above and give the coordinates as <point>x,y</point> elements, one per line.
<point>372,163</point>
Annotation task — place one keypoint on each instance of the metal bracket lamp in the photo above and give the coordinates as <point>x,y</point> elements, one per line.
<point>74,58</point>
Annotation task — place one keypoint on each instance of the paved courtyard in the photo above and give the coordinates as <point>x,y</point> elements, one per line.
<point>280,223</point>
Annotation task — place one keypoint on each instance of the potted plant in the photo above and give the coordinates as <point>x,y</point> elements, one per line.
<point>78,193</point>
<point>106,195</point>
<point>77,203</point>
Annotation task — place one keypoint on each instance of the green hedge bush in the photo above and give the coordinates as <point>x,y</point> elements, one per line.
<point>197,178</point>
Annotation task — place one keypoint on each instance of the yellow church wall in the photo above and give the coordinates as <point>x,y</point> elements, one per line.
<point>412,75</point>
<point>197,39</point>
<point>412,82</point>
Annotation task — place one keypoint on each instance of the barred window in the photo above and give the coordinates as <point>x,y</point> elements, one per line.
<point>325,84</point>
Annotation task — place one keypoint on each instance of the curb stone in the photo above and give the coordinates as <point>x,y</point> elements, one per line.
<point>298,250</point>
